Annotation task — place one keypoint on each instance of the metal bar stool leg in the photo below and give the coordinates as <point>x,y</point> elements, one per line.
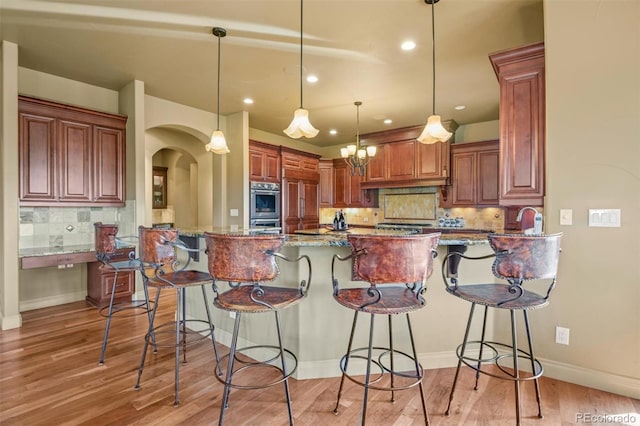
<point>149,310</point>
<point>533,363</point>
<point>484,327</point>
<point>147,337</point>
<point>108,324</point>
<point>212,328</point>
<point>346,360</point>
<point>393,393</point>
<point>367,377</point>
<point>462,350</point>
<point>516,371</point>
<point>419,372</point>
<point>284,369</point>
<point>231,359</point>
<point>180,323</point>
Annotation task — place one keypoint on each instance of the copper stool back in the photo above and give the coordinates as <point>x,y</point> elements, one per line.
<point>396,268</point>
<point>248,264</point>
<point>162,269</point>
<point>106,244</point>
<point>518,258</point>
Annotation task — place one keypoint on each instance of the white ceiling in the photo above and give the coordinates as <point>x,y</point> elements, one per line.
<point>353,46</point>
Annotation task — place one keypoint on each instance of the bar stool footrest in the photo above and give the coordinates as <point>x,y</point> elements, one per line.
<point>248,363</point>
<point>379,361</point>
<point>127,309</point>
<point>498,354</point>
<point>165,334</point>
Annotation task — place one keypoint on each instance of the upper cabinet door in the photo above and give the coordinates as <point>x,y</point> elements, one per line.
<point>37,161</point>
<point>74,144</point>
<point>109,165</point>
<point>400,160</point>
<point>522,124</point>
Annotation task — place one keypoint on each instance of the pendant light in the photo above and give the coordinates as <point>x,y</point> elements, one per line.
<point>218,144</point>
<point>434,131</point>
<point>356,156</point>
<point>300,125</point>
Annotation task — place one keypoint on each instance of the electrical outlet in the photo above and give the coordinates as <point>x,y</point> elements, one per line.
<point>232,315</point>
<point>562,335</point>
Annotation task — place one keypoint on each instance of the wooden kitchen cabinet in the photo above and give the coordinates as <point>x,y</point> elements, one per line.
<point>475,170</point>
<point>100,280</point>
<point>521,75</point>
<point>300,190</point>
<point>264,162</point>
<point>402,161</point>
<point>325,187</point>
<point>347,189</point>
<point>70,156</point>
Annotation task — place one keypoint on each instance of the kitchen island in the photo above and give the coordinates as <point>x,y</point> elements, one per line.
<point>317,330</point>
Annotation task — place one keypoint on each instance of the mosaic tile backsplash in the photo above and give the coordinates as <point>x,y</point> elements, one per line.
<point>69,226</point>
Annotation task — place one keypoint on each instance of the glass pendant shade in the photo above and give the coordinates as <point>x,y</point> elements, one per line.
<point>217,144</point>
<point>434,131</point>
<point>300,126</point>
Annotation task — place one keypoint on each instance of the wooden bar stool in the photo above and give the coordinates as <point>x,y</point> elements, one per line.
<point>106,245</point>
<point>248,264</point>
<point>161,269</point>
<point>518,258</point>
<point>396,268</point>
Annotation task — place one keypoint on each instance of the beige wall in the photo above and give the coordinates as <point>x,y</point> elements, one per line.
<point>593,156</point>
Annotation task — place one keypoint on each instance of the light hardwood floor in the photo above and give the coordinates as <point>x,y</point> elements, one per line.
<point>49,375</point>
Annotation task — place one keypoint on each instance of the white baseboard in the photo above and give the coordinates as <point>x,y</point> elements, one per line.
<point>44,302</point>
<point>9,322</point>
<point>621,385</point>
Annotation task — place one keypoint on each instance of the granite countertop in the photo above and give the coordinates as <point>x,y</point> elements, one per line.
<point>327,237</point>
<point>318,237</point>
<point>68,249</point>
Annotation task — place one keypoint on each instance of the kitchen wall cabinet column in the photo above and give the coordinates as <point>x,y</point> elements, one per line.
<point>520,74</point>
<point>325,188</point>
<point>70,156</point>
<point>300,192</point>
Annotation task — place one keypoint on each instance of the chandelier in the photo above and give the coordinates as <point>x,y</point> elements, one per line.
<point>434,131</point>
<point>357,156</point>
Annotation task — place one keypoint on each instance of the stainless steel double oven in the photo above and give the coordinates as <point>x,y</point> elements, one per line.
<point>265,207</point>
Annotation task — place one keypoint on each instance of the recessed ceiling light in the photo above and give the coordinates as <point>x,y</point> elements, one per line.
<point>248,101</point>
<point>459,107</point>
<point>333,132</point>
<point>312,78</point>
<point>408,45</point>
<point>388,121</point>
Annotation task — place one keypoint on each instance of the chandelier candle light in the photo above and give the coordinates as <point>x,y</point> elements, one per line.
<point>300,126</point>
<point>356,156</point>
<point>433,131</point>
<point>218,144</point>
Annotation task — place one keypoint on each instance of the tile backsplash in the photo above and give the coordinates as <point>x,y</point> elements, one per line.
<point>479,218</point>
<point>68,226</point>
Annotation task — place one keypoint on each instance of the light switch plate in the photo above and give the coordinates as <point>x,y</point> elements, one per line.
<point>566,217</point>
<point>609,218</point>
<point>233,212</point>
